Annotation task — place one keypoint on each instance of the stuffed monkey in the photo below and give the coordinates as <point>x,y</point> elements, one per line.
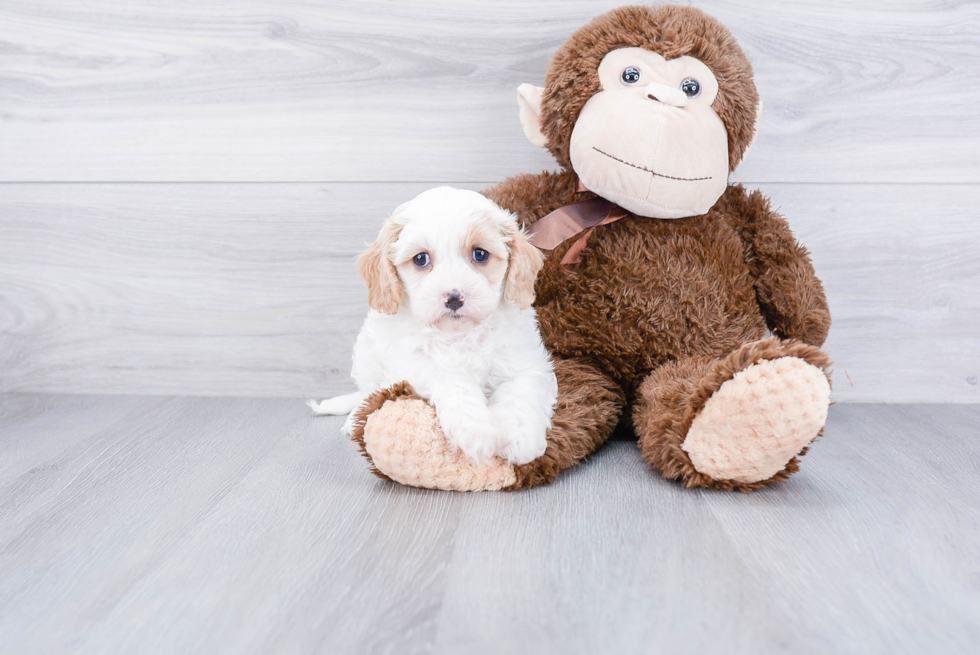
<point>661,279</point>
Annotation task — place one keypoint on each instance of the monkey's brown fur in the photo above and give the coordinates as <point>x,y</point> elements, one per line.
<point>660,313</point>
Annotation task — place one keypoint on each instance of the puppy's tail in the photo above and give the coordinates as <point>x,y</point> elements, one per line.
<point>336,406</point>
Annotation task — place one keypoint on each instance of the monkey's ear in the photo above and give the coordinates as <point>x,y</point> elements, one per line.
<point>529,100</point>
<point>378,273</point>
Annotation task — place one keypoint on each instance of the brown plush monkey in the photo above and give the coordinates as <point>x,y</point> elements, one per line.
<point>663,280</point>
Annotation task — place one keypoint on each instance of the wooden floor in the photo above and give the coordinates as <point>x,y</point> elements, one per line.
<point>175,525</point>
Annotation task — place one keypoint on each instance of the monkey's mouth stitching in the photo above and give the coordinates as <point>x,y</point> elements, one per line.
<point>654,173</point>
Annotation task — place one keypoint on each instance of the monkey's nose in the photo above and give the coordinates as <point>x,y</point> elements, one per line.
<point>666,94</point>
<point>454,300</point>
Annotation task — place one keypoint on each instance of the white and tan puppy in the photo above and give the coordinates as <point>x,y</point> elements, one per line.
<point>450,284</point>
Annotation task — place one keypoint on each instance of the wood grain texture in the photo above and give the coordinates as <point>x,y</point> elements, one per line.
<point>257,90</point>
<point>226,289</point>
<point>248,526</point>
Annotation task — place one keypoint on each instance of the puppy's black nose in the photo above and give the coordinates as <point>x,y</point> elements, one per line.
<point>454,300</point>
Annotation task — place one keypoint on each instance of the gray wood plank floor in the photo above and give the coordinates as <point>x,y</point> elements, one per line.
<point>176,525</point>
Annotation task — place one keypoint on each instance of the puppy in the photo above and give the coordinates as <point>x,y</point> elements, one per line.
<point>450,284</point>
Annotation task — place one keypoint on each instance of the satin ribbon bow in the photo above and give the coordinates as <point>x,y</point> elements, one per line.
<point>565,222</point>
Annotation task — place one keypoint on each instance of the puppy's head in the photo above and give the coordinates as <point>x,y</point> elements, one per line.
<point>451,256</point>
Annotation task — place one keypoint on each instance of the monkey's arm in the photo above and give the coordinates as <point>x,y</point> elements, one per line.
<point>788,291</point>
<point>533,196</point>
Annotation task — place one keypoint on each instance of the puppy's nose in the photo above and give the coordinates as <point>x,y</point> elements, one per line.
<point>454,300</point>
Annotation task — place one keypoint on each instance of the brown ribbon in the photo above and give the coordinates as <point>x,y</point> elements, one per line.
<point>565,222</point>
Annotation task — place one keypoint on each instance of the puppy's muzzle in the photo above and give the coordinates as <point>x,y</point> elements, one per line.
<point>454,300</point>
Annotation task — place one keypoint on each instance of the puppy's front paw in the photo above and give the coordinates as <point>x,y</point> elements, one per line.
<point>520,441</point>
<point>477,439</point>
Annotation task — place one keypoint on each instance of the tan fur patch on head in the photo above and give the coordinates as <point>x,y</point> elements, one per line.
<point>522,269</point>
<point>669,30</point>
<point>486,235</point>
<point>376,270</point>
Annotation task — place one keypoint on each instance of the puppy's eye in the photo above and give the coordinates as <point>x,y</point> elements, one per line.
<point>480,256</point>
<point>421,260</point>
<point>630,76</point>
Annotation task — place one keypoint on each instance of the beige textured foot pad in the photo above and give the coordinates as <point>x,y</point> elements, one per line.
<point>405,443</point>
<point>759,420</point>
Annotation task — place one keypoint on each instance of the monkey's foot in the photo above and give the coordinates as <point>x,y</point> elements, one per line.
<point>757,421</point>
<point>399,433</point>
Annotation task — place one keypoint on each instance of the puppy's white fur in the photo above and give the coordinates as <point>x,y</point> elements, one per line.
<point>482,364</point>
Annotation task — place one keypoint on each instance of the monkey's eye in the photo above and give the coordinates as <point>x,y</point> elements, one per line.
<point>480,256</point>
<point>691,87</point>
<point>630,76</point>
<point>421,260</point>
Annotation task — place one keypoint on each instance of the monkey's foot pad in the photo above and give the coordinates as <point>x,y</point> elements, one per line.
<point>759,420</point>
<point>404,442</point>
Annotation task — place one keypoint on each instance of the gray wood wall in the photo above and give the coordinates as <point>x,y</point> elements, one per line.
<point>184,185</point>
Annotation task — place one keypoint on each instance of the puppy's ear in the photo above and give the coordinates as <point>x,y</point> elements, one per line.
<point>522,268</point>
<point>379,274</point>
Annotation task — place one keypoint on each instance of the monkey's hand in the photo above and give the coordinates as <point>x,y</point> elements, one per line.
<point>790,295</point>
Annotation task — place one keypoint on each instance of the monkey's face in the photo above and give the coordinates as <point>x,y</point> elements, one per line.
<point>655,127</point>
<point>649,140</point>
